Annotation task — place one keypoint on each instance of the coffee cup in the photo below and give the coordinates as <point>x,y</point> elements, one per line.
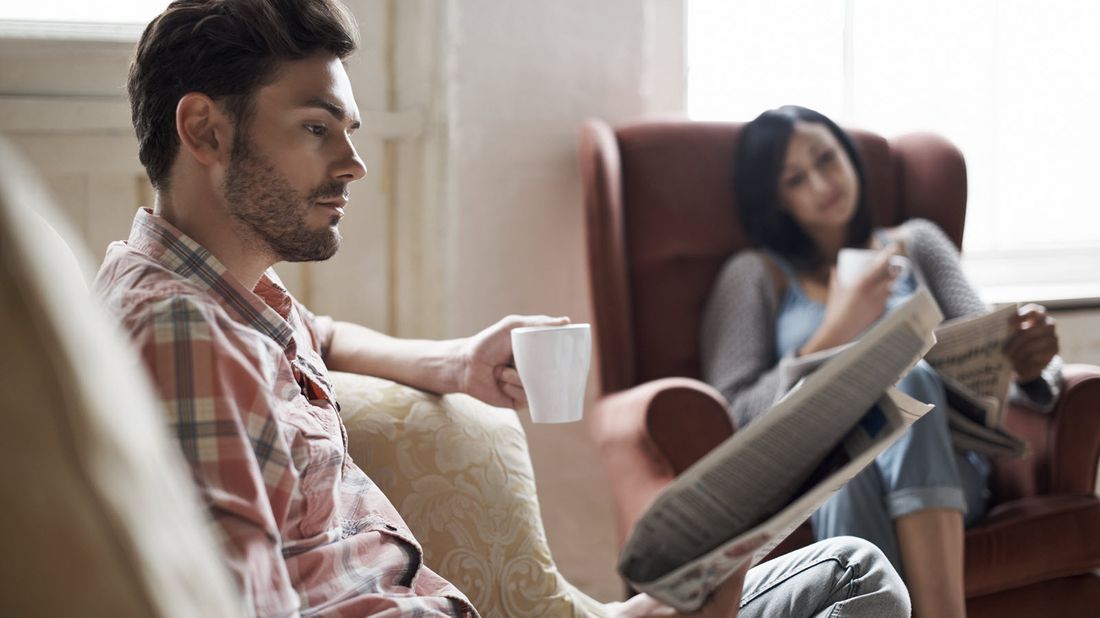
<point>553,363</point>
<point>852,263</point>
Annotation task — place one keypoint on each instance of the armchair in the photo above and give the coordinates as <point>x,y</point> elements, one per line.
<point>660,223</point>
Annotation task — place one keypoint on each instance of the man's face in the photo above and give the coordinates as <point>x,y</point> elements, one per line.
<point>291,164</point>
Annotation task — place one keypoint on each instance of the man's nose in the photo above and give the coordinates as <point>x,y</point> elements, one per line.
<point>351,167</point>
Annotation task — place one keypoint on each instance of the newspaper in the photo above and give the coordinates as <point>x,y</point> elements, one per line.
<point>969,357</point>
<point>769,477</point>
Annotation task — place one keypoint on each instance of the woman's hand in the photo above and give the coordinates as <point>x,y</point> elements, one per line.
<point>1033,344</point>
<point>850,310</point>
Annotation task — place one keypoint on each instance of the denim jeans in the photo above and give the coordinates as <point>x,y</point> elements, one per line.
<point>837,577</point>
<point>920,471</point>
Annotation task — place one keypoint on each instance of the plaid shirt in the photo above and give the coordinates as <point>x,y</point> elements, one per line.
<point>244,388</point>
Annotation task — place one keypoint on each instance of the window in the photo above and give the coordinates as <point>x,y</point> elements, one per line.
<point>116,11</point>
<point>1008,82</point>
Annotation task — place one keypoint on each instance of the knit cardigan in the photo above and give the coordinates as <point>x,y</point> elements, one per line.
<point>737,347</point>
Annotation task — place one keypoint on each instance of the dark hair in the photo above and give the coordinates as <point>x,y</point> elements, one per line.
<point>761,152</point>
<point>226,49</point>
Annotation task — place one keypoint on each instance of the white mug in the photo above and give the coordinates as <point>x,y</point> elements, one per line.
<point>852,263</point>
<point>553,363</point>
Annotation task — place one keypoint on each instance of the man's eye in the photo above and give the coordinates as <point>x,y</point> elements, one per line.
<point>318,130</point>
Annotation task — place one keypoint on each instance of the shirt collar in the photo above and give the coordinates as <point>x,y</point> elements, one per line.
<point>266,308</point>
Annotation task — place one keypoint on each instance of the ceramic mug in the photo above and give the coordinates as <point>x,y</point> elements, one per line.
<point>553,363</point>
<point>852,263</point>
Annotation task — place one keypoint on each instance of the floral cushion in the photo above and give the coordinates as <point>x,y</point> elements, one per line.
<point>459,472</point>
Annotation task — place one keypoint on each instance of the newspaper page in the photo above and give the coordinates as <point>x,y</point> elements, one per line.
<point>969,356</point>
<point>686,588</point>
<point>754,474</point>
<point>968,435</point>
<point>966,418</point>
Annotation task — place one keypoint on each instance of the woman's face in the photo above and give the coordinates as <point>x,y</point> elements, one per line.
<point>818,185</point>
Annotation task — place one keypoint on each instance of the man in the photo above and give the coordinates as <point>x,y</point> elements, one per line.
<point>244,116</point>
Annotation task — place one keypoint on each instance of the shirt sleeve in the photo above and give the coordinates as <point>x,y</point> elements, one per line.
<point>218,395</point>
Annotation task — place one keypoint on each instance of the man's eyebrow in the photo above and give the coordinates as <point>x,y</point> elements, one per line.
<point>337,112</point>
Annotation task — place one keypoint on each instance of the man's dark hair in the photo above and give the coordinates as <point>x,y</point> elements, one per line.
<point>761,152</point>
<point>227,50</point>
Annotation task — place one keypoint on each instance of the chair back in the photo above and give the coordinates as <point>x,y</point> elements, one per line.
<point>661,221</point>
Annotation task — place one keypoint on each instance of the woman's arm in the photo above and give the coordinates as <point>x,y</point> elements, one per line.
<point>937,265</point>
<point>737,339</point>
<point>936,261</point>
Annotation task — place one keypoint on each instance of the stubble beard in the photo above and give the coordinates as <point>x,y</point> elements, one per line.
<point>273,213</point>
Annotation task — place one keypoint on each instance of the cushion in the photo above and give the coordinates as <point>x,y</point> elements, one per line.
<point>459,472</point>
<point>100,517</point>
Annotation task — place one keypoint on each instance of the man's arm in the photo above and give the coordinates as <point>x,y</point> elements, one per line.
<point>480,365</point>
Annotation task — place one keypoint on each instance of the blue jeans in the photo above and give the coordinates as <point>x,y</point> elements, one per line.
<point>920,471</point>
<point>838,577</point>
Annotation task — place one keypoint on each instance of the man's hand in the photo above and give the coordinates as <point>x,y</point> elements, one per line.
<point>724,602</point>
<point>1033,344</point>
<point>486,369</point>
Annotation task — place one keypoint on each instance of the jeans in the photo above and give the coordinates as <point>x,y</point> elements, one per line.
<point>920,471</point>
<point>842,576</point>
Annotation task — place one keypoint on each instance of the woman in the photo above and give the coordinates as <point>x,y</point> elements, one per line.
<point>800,195</point>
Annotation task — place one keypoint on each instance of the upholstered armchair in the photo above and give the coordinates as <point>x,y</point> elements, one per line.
<point>101,517</point>
<point>660,223</point>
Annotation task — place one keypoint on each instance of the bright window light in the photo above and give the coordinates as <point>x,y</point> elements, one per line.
<point>115,11</point>
<point>1010,83</point>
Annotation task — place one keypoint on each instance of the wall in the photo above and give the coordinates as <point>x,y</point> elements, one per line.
<point>521,77</point>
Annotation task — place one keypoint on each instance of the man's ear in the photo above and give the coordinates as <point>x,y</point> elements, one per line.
<point>204,130</point>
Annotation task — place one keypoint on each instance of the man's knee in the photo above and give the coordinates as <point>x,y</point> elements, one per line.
<point>872,572</point>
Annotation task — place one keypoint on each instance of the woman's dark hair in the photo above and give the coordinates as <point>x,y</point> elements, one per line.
<point>226,49</point>
<point>761,152</point>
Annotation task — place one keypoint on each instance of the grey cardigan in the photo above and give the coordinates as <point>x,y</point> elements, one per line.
<point>738,351</point>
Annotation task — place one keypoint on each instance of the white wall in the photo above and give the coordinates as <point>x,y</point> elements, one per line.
<point>521,77</point>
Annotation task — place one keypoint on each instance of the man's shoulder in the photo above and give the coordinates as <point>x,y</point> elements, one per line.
<point>142,292</point>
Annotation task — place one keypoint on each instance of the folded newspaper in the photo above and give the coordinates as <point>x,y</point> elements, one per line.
<point>767,478</point>
<point>969,356</point>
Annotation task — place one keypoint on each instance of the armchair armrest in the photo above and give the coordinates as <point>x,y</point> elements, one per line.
<point>1065,443</point>
<point>650,433</point>
<point>1075,434</point>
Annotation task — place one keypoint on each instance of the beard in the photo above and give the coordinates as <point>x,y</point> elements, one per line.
<point>263,201</point>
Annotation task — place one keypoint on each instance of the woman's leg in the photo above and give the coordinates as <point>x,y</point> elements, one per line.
<point>931,543</point>
<point>911,503</point>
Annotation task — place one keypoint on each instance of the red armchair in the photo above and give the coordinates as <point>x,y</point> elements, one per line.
<point>660,223</point>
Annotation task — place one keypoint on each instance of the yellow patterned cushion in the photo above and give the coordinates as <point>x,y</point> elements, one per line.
<point>459,472</point>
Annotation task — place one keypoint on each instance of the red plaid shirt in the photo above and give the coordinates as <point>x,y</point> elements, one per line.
<point>244,388</point>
